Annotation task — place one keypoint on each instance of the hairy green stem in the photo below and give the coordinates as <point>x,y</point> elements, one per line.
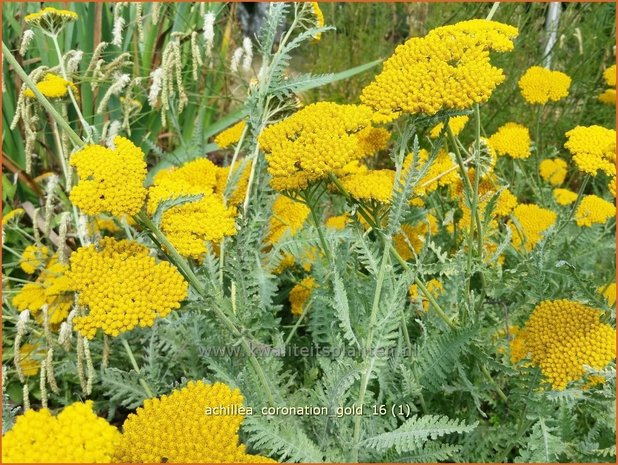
<point>142,381</point>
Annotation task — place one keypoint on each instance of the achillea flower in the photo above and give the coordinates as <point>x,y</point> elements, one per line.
<point>593,149</point>
<point>75,435</point>
<point>553,170</point>
<point>449,68</point>
<point>564,196</point>
<point>534,221</point>
<point>196,424</point>
<point>456,123</point>
<point>594,210</point>
<point>608,96</point>
<point>511,139</point>
<point>300,293</point>
<point>231,135</point>
<point>50,20</point>
<point>33,257</point>
<point>13,214</point>
<point>337,222</point>
<point>561,337</point>
<point>441,172</point>
<point>288,216</point>
<point>505,203</point>
<point>610,76</point>
<point>30,357</point>
<point>237,196</point>
<point>375,185</point>
<point>51,288</point>
<point>609,292</point>
<point>434,286</point>
<point>411,239</point>
<point>319,18</point>
<point>319,139</point>
<point>611,186</point>
<point>111,181</point>
<point>52,86</point>
<point>123,287</point>
<point>540,85</point>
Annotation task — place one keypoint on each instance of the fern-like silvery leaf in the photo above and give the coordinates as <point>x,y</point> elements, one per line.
<point>342,309</point>
<point>171,203</point>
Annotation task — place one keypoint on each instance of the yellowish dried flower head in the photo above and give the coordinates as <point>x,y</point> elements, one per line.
<point>52,288</point>
<point>12,215</point>
<point>594,210</point>
<point>562,336</point>
<point>75,435</point>
<point>608,97</point>
<point>610,76</point>
<point>321,138</point>
<point>593,149</point>
<point>553,170</point>
<point>231,135</point>
<point>609,292</point>
<point>288,216</point>
<point>319,18</point>
<point>447,69</point>
<point>529,225</point>
<point>196,424</point>
<point>33,257</point>
<point>456,123</point>
<point>123,287</point>
<point>110,181</point>
<point>564,196</point>
<point>300,293</point>
<point>51,20</point>
<point>411,239</point>
<point>540,85</point>
<point>375,185</point>
<point>434,286</point>
<point>338,222</point>
<point>511,139</point>
<point>52,86</point>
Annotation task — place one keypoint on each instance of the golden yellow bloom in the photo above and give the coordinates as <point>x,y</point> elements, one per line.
<point>511,139</point>
<point>562,336</point>
<point>33,257</point>
<point>609,292</point>
<point>611,186</point>
<point>529,225</point>
<point>319,18</point>
<point>52,86</point>
<point>441,172</point>
<point>319,139</point>
<point>196,424</point>
<point>505,203</point>
<point>111,181</point>
<point>231,135</point>
<point>300,293</point>
<point>594,210</point>
<point>337,222</point>
<point>553,170</point>
<point>75,435</point>
<point>564,196</point>
<point>610,76</point>
<point>608,97</point>
<point>237,196</point>
<point>410,240</point>
<point>123,287</point>
<point>51,288</point>
<point>30,357</point>
<point>434,286</point>
<point>456,123</point>
<point>288,216</point>
<point>376,185</point>
<point>593,148</point>
<point>449,68</point>
<point>13,214</point>
<point>540,85</point>
<point>50,20</point>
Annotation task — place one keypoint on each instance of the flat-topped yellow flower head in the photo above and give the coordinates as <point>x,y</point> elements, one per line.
<point>594,210</point>
<point>593,149</point>
<point>511,139</point>
<point>540,85</point>
<point>50,20</point>
<point>530,222</point>
<point>553,170</point>
<point>52,86</point>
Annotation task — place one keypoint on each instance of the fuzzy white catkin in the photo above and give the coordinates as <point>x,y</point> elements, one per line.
<point>25,41</point>
<point>119,83</point>
<point>155,87</point>
<point>112,132</point>
<point>74,61</point>
<point>247,46</point>
<point>236,57</point>
<point>117,31</point>
<point>209,32</point>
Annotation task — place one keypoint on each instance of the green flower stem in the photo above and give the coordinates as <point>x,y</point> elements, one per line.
<point>186,270</point>
<point>142,381</point>
<point>487,375</point>
<point>77,141</point>
<point>297,324</point>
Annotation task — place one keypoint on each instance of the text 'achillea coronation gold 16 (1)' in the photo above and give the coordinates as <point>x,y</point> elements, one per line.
<point>123,287</point>
<point>177,428</point>
<point>448,69</point>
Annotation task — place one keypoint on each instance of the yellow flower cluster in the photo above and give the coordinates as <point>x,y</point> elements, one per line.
<point>30,357</point>
<point>540,85</point>
<point>75,435</point>
<point>529,225</point>
<point>609,95</point>
<point>376,185</point>
<point>449,68</point>
<point>300,293</point>
<point>52,288</point>
<point>456,123</point>
<point>609,292</point>
<point>111,181</point>
<point>410,240</point>
<point>188,226</point>
<point>52,86</point>
<point>288,216</point>
<point>593,149</point>
<point>123,287</point>
<point>610,76</point>
<point>13,214</point>
<point>593,209</point>
<point>564,196</point>
<point>435,288</point>
<point>196,424</point>
<point>561,337</point>
<point>441,172</point>
<point>237,196</point>
<point>50,17</point>
<point>511,139</point>
<point>553,170</point>
<point>33,257</point>
<point>319,18</point>
<point>321,138</point>
<point>231,135</point>
<point>337,222</point>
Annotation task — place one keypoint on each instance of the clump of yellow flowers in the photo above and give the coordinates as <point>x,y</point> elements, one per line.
<point>374,185</point>
<point>529,224</point>
<point>511,139</point>
<point>609,95</point>
<point>553,170</point>
<point>593,149</point>
<point>123,287</point>
<point>300,293</point>
<point>33,257</point>
<point>594,209</point>
<point>540,85</point>
<point>50,20</point>
<point>52,86</point>
<point>231,135</point>
<point>561,337</point>
<point>75,435</point>
<point>564,196</point>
